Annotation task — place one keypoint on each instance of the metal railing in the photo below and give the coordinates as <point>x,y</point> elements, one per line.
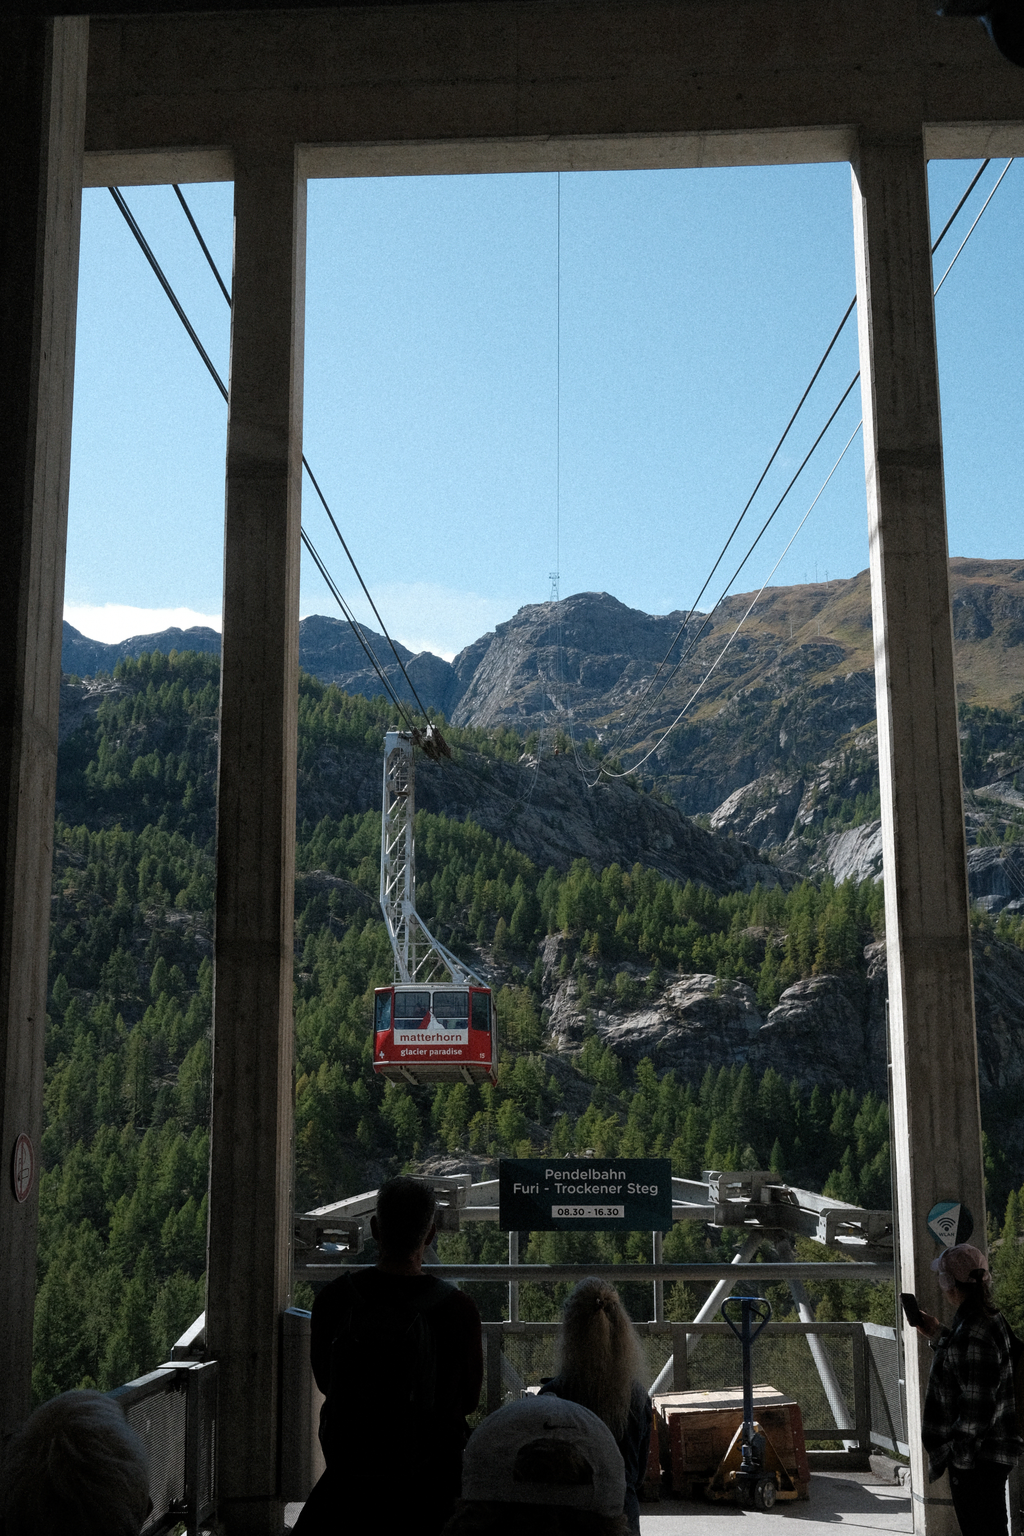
<point>174,1409</point>
<point>857,1403</point>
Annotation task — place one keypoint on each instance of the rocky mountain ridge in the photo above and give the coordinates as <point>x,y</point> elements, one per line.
<point>590,657</point>
<point>779,749</point>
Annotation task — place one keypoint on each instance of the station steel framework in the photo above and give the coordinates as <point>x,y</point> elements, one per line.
<point>149,93</point>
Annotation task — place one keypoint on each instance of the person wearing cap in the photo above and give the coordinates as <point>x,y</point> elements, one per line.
<point>599,1366</point>
<point>544,1466</point>
<point>970,1418</point>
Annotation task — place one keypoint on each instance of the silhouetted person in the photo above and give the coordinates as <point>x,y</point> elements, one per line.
<point>599,1366</point>
<point>398,1356</point>
<point>76,1466</point>
<point>541,1467</point>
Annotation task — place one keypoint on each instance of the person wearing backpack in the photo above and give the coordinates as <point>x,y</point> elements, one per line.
<point>398,1355</point>
<point>970,1413</point>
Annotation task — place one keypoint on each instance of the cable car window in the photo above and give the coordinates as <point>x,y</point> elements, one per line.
<point>481,1011</point>
<point>382,1011</point>
<point>451,1009</point>
<point>412,1008</point>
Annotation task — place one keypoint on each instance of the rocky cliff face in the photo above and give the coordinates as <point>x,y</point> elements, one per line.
<point>544,808</point>
<point>330,651</point>
<point>827,1030</point>
<point>588,653</point>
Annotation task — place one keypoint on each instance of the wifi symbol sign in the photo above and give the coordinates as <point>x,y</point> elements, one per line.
<point>943,1222</point>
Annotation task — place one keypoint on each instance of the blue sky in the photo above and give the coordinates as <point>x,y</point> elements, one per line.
<point>466,391</point>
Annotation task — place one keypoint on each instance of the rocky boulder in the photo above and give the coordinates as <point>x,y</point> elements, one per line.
<point>995,877</point>
<point>699,1021</point>
<point>855,854</point>
<point>822,1031</point>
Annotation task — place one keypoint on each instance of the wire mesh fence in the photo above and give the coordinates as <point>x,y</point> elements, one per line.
<point>824,1368</point>
<point>174,1410</point>
<point>160,1421</point>
<point>885,1396</point>
<point>657,1352</point>
<point>785,1362</point>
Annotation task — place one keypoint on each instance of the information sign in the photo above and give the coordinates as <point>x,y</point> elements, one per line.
<point>585,1194</point>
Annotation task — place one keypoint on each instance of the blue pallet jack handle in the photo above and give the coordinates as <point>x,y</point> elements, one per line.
<point>755,1311</point>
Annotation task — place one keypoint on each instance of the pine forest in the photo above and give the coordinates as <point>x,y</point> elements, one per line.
<point>128,1055</point>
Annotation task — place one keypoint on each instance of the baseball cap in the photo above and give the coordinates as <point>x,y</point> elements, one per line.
<point>544,1450</point>
<point>954,1265</point>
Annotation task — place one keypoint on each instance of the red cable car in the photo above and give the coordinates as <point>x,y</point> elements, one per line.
<point>434,1034</point>
<point>436,1023</point>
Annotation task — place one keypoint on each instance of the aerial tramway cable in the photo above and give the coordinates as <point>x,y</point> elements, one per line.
<point>625,728</point>
<point>202,243</point>
<point>629,726</point>
<point>761,478</point>
<point>312,478</point>
<point>970,232</point>
<point>639,710</point>
<point>307,541</point>
<point>147,251</point>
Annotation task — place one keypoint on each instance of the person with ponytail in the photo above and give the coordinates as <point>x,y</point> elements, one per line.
<point>600,1365</point>
<point>970,1418</point>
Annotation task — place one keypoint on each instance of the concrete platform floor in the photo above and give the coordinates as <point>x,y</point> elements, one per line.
<point>855,1500</point>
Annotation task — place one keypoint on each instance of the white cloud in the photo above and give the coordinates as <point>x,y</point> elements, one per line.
<point>426,616</point>
<point>110,622</point>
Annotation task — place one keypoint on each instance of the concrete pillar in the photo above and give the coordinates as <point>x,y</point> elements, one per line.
<point>937,1126</point>
<point>249,1275</point>
<point>42,129</point>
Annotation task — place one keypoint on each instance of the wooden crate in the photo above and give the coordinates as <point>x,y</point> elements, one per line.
<point>695,1430</point>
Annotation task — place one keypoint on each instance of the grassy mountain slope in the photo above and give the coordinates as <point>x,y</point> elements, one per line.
<point>777,709</point>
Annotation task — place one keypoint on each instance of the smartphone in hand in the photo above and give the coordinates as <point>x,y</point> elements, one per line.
<point>911,1310</point>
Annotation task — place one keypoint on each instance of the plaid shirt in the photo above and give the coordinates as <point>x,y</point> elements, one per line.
<point>970,1410</point>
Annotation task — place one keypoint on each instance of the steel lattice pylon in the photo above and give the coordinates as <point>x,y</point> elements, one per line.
<point>419,957</point>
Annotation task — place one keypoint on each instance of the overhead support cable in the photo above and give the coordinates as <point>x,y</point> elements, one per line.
<point>161,277</point>
<point>627,726</point>
<point>313,480</point>
<point>321,567</point>
<point>356,629</point>
<point>143,244</point>
<point>761,478</point>
<point>202,243</point>
<point>970,232</point>
<point>953,216</point>
<point>614,774</point>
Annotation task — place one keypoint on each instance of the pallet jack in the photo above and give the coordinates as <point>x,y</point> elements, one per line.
<point>751,1472</point>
